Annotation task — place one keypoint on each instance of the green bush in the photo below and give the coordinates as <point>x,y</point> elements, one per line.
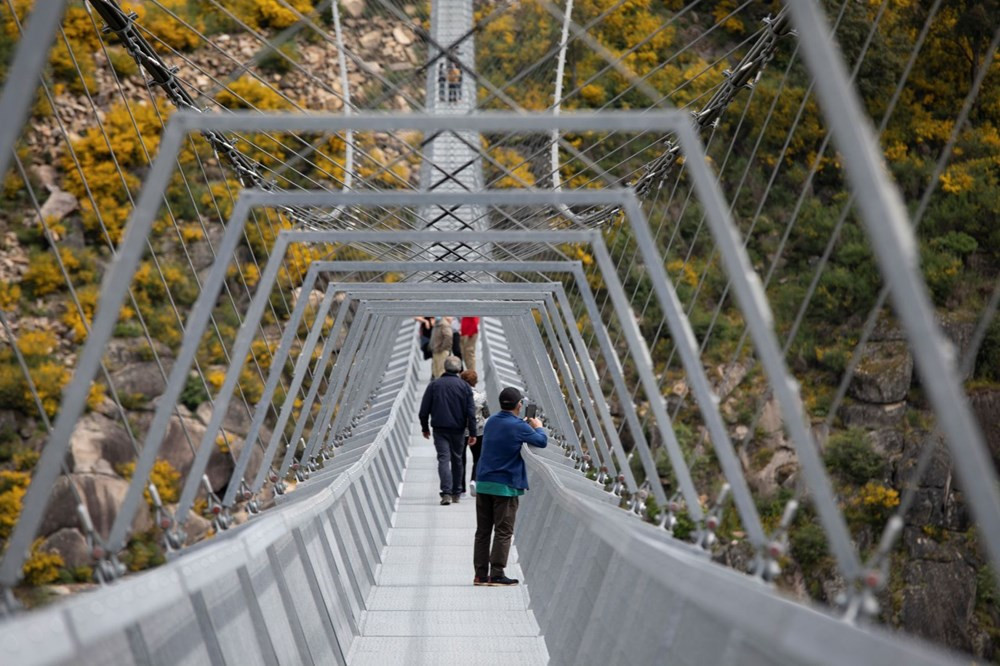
<point>194,392</point>
<point>808,545</point>
<point>850,455</point>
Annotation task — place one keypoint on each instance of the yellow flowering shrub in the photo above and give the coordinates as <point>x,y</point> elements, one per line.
<point>95,396</point>
<point>259,14</point>
<point>50,378</point>
<point>164,477</point>
<point>99,172</point>
<point>42,567</point>
<point>215,378</point>
<point>251,384</point>
<point>12,488</point>
<point>79,322</point>
<point>159,19</point>
<point>516,170</point>
<point>36,343</point>
<point>684,270</point>
<point>43,276</point>
<point>10,295</point>
<point>872,503</point>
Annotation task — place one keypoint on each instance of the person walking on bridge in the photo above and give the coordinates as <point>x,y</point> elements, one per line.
<point>469,328</point>
<point>448,406</point>
<point>441,345</point>
<point>500,479</point>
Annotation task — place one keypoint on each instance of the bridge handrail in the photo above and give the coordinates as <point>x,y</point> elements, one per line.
<point>123,612</point>
<point>673,595</point>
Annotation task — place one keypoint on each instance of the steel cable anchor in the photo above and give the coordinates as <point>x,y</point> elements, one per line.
<point>707,537</point>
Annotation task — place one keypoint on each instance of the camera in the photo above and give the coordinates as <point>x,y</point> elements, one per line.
<point>530,410</point>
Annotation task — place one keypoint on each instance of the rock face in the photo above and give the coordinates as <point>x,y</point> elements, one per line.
<point>71,545</point>
<point>103,496</point>
<point>123,352</point>
<point>97,438</point>
<point>986,406</point>
<point>867,415</point>
<point>184,436</point>
<point>884,374</point>
<point>940,592</point>
<point>354,7</point>
<point>221,464</point>
<point>58,205</point>
<point>140,382</point>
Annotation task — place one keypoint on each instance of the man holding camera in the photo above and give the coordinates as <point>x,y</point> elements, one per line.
<point>500,479</point>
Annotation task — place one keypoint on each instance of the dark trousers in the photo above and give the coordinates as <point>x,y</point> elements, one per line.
<point>494,517</point>
<point>450,446</point>
<point>476,449</point>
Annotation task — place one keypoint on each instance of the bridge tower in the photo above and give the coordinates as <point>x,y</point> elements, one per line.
<point>452,161</point>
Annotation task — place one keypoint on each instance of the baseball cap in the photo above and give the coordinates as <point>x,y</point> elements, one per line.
<point>509,397</point>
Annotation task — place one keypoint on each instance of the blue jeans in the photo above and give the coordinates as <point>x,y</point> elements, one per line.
<point>450,446</point>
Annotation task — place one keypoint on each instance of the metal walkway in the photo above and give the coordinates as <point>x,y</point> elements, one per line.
<point>423,609</point>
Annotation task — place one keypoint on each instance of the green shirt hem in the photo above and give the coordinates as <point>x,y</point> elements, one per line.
<point>494,488</point>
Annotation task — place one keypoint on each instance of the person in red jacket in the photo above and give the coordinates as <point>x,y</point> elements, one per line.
<point>469,329</point>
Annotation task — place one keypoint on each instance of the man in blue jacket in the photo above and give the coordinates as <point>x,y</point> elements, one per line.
<point>449,406</point>
<point>500,480</point>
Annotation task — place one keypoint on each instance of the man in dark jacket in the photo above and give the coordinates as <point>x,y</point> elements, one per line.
<point>449,405</point>
<point>500,480</point>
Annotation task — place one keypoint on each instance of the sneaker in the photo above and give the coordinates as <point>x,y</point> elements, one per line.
<point>445,500</point>
<point>455,498</point>
<point>502,581</point>
<point>481,580</point>
<point>472,488</point>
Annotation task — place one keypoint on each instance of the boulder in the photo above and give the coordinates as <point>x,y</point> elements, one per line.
<point>46,175</point>
<point>866,415</point>
<point>315,298</point>
<point>780,471</point>
<point>884,373</point>
<point>236,421</point>
<point>938,601</point>
<point>103,496</point>
<point>140,382</point>
<point>354,7</point>
<point>71,546</point>
<point>201,252</point>
<point>123,352</point>
<point>959,332</point>
<point>58,205</point>
<point>195,526</point>
<point>888,442</point>
<point>402,35</point>
<point>98,438</point>
<point>986,406</point>
<point>770,419</point>
<point>221,464</point>
<point>182,439</point>
<point>728,377</point>
<point>371,39</point>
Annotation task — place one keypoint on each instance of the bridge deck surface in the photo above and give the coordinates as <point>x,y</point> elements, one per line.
<point>424,608</point>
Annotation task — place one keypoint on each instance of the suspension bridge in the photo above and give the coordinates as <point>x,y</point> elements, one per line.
<point>306,240</point>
